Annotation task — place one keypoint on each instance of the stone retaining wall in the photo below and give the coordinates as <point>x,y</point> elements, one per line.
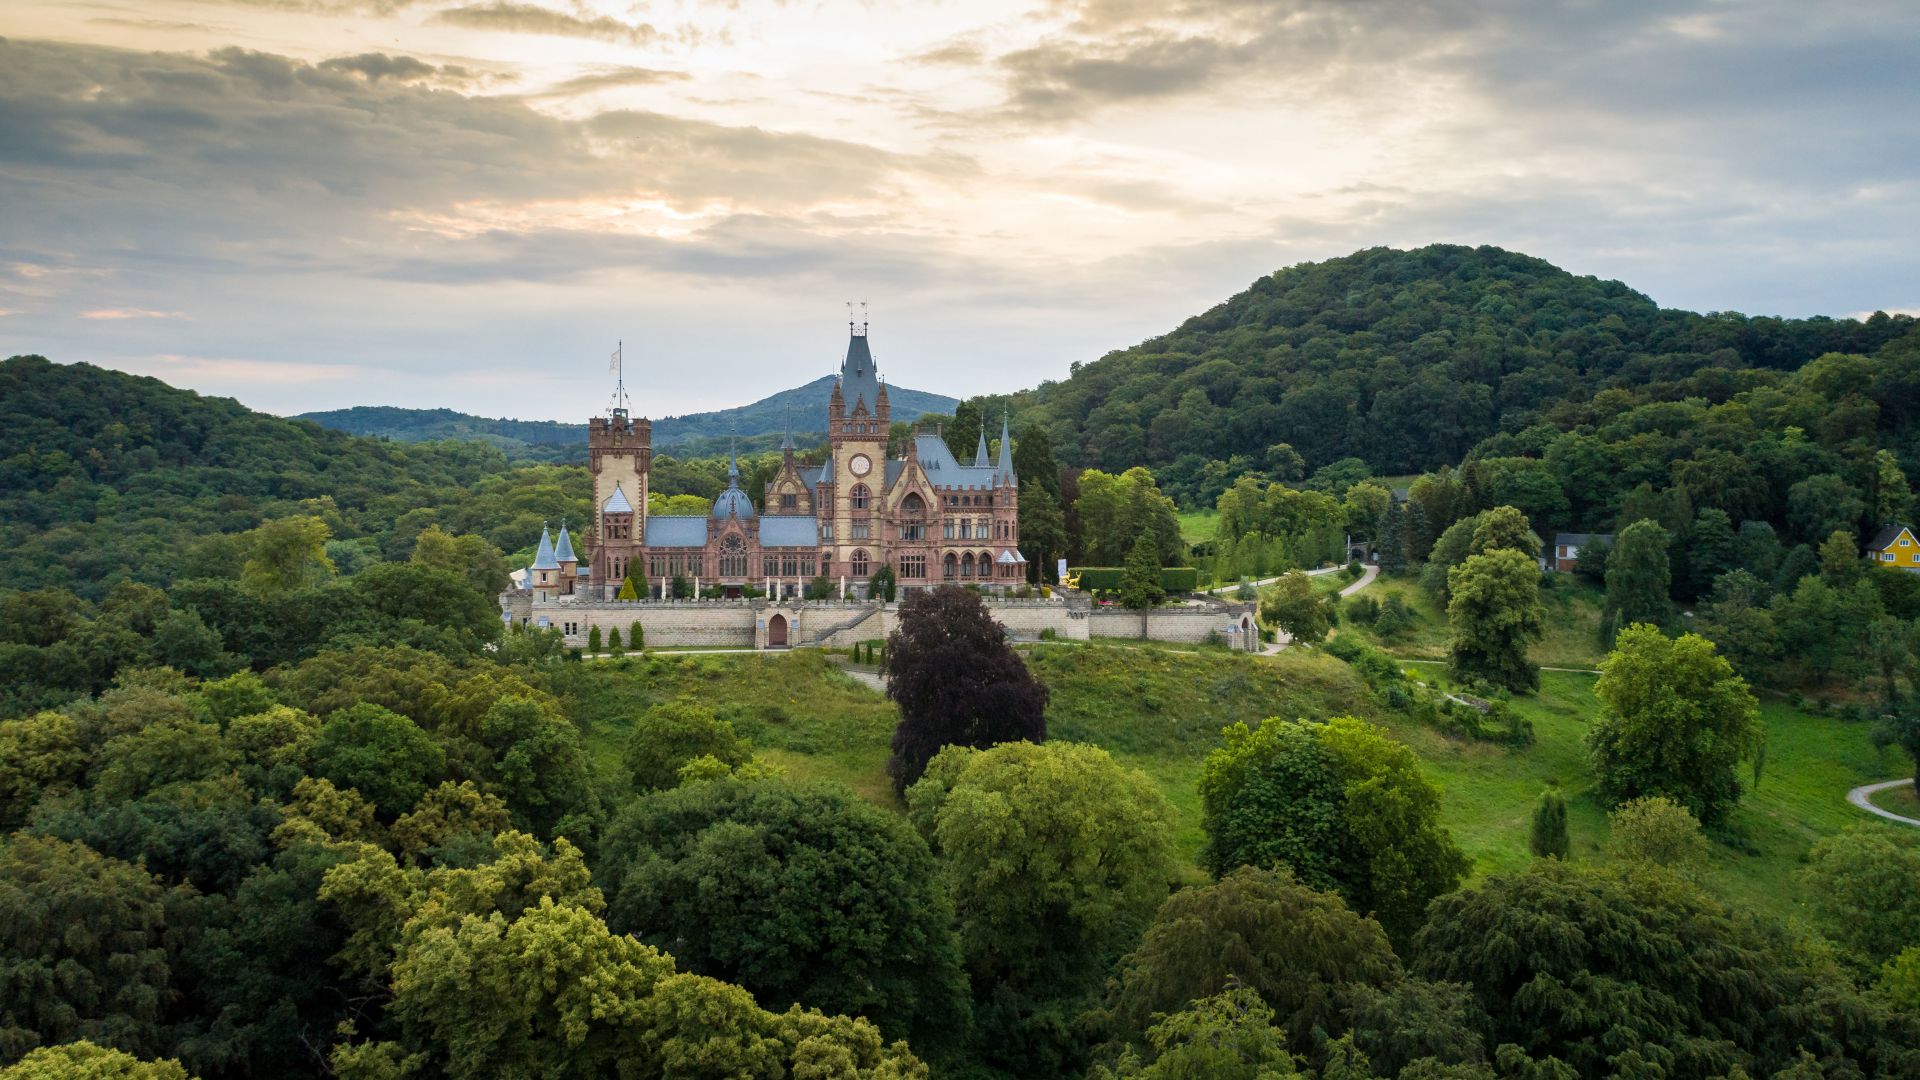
<point>839,624</point>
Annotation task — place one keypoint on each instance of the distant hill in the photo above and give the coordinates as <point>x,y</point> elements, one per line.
<point>1407,360</point>
<point>758,426</point>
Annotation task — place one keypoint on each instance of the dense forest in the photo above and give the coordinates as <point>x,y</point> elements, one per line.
<point>1407,360</point>
<point>756,427</point>
<point>282,797</point>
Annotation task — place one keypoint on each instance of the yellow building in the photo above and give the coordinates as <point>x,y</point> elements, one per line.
<point>1895,546</point>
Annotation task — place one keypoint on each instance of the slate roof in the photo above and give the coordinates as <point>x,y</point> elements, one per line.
<point>980,455</point>
<point>666,531</point>
<point>564,553</point>
<point>859,379</point>
<point>617,502</point>
<point>1580,539</point>
<point>1003,469</point>
<point>943,470</point>
<point>733,502</point>
<point>543,559</point>
<point>1885,537</point>
<point>789,530</point>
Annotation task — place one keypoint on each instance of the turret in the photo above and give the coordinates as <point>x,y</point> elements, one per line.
<point>569,562</point>
<point>980,454</point>
<point>546,568</point>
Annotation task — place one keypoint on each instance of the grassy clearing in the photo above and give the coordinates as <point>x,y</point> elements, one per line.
<point>1897,800</point>
<point>1159,709</point>
<point>1196,526</point>
<point>1572,624</point>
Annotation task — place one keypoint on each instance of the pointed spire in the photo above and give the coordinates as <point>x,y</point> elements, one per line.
<point>786,439</point>
<point>980,460</point>
<point>543,558</point>
<point>564,545</point>
<point>1003,472</point>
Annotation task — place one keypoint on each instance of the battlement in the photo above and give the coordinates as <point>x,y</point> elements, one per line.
<point>618,430</point>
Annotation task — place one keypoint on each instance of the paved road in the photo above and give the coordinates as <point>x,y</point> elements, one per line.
<point>1858,797</point>
<point>1280,638</point>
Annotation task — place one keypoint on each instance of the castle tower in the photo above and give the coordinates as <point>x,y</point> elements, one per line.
<point>620,456</point>
<point>849,506</point>
<point>546,569</point>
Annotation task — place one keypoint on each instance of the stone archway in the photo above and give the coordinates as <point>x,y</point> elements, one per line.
<point>777,632</point>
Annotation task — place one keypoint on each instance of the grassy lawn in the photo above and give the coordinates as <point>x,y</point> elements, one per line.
<point>1197,526</point>
<point>1572,624</point>
<point>1159,709</point>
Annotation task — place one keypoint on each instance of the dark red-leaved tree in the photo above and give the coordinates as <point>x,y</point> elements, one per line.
<point>957,682</point>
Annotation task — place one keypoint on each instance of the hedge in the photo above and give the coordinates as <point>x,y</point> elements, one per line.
<point>1174,579</point>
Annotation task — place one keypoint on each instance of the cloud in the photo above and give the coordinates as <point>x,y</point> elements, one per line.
<point>375,66</point>
<point>611,78</point>
<point>504,15</point>
<point>115,314</point>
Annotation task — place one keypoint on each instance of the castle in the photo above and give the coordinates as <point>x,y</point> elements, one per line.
<point>930,518</point>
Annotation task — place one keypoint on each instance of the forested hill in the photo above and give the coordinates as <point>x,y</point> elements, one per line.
<point>1406,359</point>
<point>106,476</point>
<point>758,426</point>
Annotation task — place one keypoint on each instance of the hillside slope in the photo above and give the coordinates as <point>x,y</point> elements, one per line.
<point>758,425</point>
<point>1406,359</point>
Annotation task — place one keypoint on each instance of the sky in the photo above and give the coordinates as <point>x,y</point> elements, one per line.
<point>311,204</point>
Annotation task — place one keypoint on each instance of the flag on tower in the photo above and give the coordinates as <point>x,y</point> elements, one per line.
<point>613,361</point>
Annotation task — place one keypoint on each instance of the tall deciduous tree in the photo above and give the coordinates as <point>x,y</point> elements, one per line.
<point>1043,529</point>
<point>672,733</point>
<point>1493,615</point>
<point>1293,605</point>
<point>1303,951</point>
<point>1675,721</point>
<point>802,894</point>
<point>1342,804</point>
<point>1056,857</point>
<point>957,682</point>
<point>1638,576</point>
<point>286,554</point>
<point>379,753</point>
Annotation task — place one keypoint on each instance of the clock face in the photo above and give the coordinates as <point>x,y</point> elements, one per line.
<point>860,464</point>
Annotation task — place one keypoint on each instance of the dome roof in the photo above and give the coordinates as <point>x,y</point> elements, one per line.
<point>733,502</point>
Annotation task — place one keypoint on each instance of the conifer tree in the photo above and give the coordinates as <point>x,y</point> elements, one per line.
<point>627,591</point>
<point>1549,839</point>
<point>613,641</point>
<point>636,637</point>
<point>1140,579</point>
<point>594,641</point>
<point>1390,549</point>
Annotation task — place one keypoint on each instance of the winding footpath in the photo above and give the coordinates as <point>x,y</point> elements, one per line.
<point>1281,639</point>
<point>1859,797</point>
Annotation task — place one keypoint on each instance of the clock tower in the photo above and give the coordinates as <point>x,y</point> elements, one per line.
<point>857,422</point>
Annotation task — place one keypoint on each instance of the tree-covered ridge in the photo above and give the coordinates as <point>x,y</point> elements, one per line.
<point>1404,359</point>
<point>758,426</point>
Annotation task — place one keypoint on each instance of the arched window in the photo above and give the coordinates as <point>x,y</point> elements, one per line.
<point>951,566</point>
<point>861,496</point>
<point>913,504</point>
<point>966,565</point>
<point>860,566</point>
<point>733,556</point>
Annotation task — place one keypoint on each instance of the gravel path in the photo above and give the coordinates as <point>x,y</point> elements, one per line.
<point>1858,797</point>
<point>1372,570</point>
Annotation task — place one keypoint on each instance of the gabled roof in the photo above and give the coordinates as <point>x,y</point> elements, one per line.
<point>564,550</point>
<point>1581,539</point>
<point>789,530</point>
<point>543,559</point>
<point>617,502</point>
<point>665,531</point>
<point>1886,536</point>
